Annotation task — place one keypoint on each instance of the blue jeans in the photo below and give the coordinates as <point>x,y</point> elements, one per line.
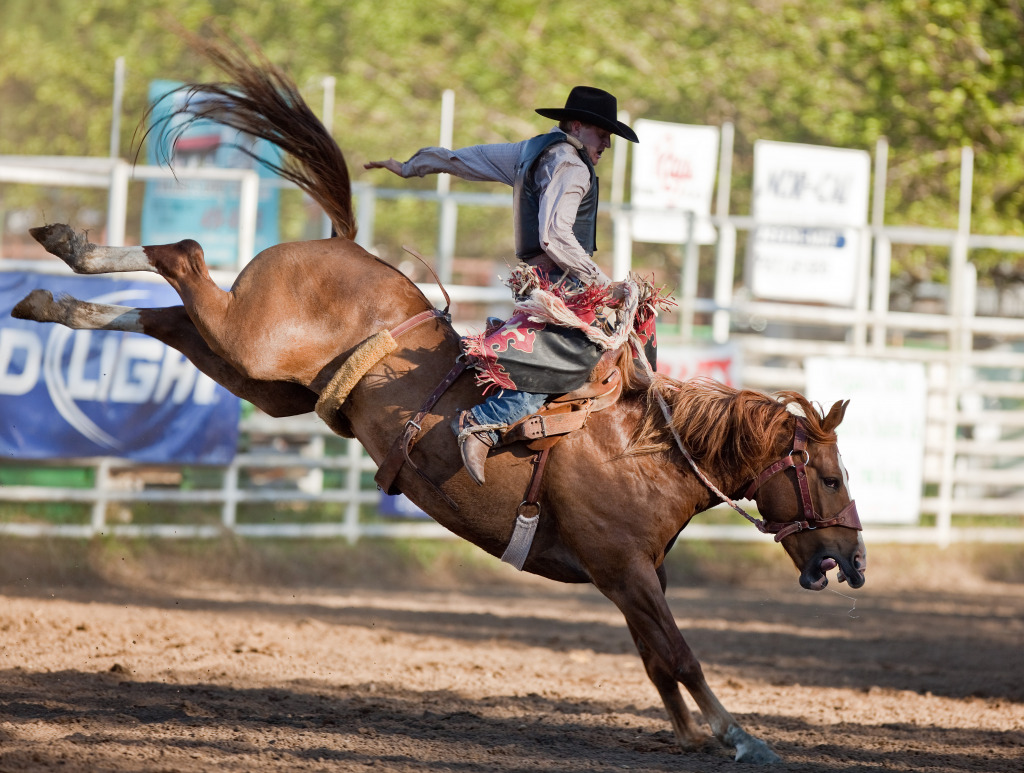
<point>507,407</point>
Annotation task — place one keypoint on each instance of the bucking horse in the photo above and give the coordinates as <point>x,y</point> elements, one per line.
<point>324,325</point>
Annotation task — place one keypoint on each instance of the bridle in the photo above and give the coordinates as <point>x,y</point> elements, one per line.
<point>797,458</point>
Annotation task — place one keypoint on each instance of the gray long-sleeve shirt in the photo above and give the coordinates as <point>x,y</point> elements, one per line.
<point>561,175</point>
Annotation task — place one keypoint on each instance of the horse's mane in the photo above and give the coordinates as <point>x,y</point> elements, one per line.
<point>721,426</point>
<point>261,100</point>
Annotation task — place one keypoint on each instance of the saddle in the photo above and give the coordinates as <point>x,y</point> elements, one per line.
<point>540,431</point>
<point>568,412</point>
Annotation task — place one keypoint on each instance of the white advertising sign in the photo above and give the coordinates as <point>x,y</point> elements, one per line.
<point>882,436</point>
<point>673,174</point>
<point>809,202</point>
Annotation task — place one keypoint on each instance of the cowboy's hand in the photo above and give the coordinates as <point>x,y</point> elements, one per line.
<point>391,165</point>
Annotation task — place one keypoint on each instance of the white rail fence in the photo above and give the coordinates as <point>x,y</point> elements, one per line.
<point>974,444</point>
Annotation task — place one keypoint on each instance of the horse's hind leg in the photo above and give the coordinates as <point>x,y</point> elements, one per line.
<point>174,327</point>
<point>234,336</point>
<point>83,257</point>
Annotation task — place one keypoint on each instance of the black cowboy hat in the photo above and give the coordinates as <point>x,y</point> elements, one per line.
<point>594,106</point>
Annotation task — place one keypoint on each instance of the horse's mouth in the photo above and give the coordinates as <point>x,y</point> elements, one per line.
<point>851,570</point>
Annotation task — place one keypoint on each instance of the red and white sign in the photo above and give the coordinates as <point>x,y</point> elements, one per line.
<point>673,174</point>
<point>722,363</point>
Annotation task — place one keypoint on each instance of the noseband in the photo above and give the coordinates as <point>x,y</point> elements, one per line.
<point>797,458</point>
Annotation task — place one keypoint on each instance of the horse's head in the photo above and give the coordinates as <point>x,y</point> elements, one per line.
<point>805,500</point>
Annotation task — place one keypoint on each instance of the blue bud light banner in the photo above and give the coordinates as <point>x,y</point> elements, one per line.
<point>204,210</point>
<point>81,393</point>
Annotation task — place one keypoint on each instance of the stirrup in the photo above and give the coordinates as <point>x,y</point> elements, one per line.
<point>475,443</point>
<point>466,426</point>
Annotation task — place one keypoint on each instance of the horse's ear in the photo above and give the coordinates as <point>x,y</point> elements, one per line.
<point>835,416</point>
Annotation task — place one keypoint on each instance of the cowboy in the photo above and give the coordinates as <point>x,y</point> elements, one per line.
<point>555,197</point>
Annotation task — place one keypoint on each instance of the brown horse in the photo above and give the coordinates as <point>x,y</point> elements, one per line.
<point>616,494</point>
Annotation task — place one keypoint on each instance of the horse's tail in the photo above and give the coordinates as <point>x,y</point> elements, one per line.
<point>261,100</point>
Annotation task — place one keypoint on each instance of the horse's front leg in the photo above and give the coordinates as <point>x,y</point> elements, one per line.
<point>688,733</point>
<point>639,595</point>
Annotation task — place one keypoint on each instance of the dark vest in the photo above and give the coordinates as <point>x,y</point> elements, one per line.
<point>526,201</point>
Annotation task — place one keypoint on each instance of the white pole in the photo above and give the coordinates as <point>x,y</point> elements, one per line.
<point>101,484</point>
<point>115,113</point>
<point>248,204</point>
<point>725,255</point>
<point>353,487</point>
<point>959,296</point>
<point>690,273</point>
<point>327,119</point>
<point>448,210</point>
<point>117,203</point>
<point>327,114</point>
<point>882,247</point>
<point>620,151</point>
<point>229,508</point>
<point>622,224</point>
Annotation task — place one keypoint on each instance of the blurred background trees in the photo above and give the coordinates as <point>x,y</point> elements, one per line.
<point>930,75</point>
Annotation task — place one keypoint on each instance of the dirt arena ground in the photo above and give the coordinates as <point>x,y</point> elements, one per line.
<point>162,658</point>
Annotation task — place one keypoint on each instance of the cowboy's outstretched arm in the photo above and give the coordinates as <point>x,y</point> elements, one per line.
<point>494,163</point>
<point>391,165</point>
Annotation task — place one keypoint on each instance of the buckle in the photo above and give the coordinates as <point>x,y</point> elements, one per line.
<point>524,503</point>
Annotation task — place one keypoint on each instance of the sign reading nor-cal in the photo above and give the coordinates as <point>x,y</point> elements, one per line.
<point>810,203</point>
<point>673,174</point>
<point>882,436</point>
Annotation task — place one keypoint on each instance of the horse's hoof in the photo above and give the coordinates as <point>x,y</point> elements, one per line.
<point>35,306</point>
<point>60,240</point>
<point>749,749</point>
<point>756,752</point>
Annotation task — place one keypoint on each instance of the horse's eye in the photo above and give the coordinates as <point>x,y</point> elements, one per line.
<point>832,483</point>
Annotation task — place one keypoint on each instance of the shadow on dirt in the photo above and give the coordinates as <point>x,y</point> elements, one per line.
<point>107,712</point>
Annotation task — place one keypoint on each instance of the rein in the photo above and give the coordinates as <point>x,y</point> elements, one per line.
<point>796,458</point>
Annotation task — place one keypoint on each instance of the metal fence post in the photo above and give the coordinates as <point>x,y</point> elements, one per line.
<point>366,214</point>
<point>248,204</point>
<point>229,509</point>
<point>354,452</point>
<point>960,296</point>
<point>116,108</point>
<point>448,209</point>
<point>329,84</point>
<point>725,252</point>
<point>117,203</point>
<point>690,272</point>
<point>882,248</point>
<point>101,486</point>
<point>622,224</point>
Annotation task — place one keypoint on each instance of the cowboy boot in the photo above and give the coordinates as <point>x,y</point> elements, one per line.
<point>475,441</point>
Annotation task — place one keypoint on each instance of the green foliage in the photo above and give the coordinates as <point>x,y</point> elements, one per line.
<point>930,75</point>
